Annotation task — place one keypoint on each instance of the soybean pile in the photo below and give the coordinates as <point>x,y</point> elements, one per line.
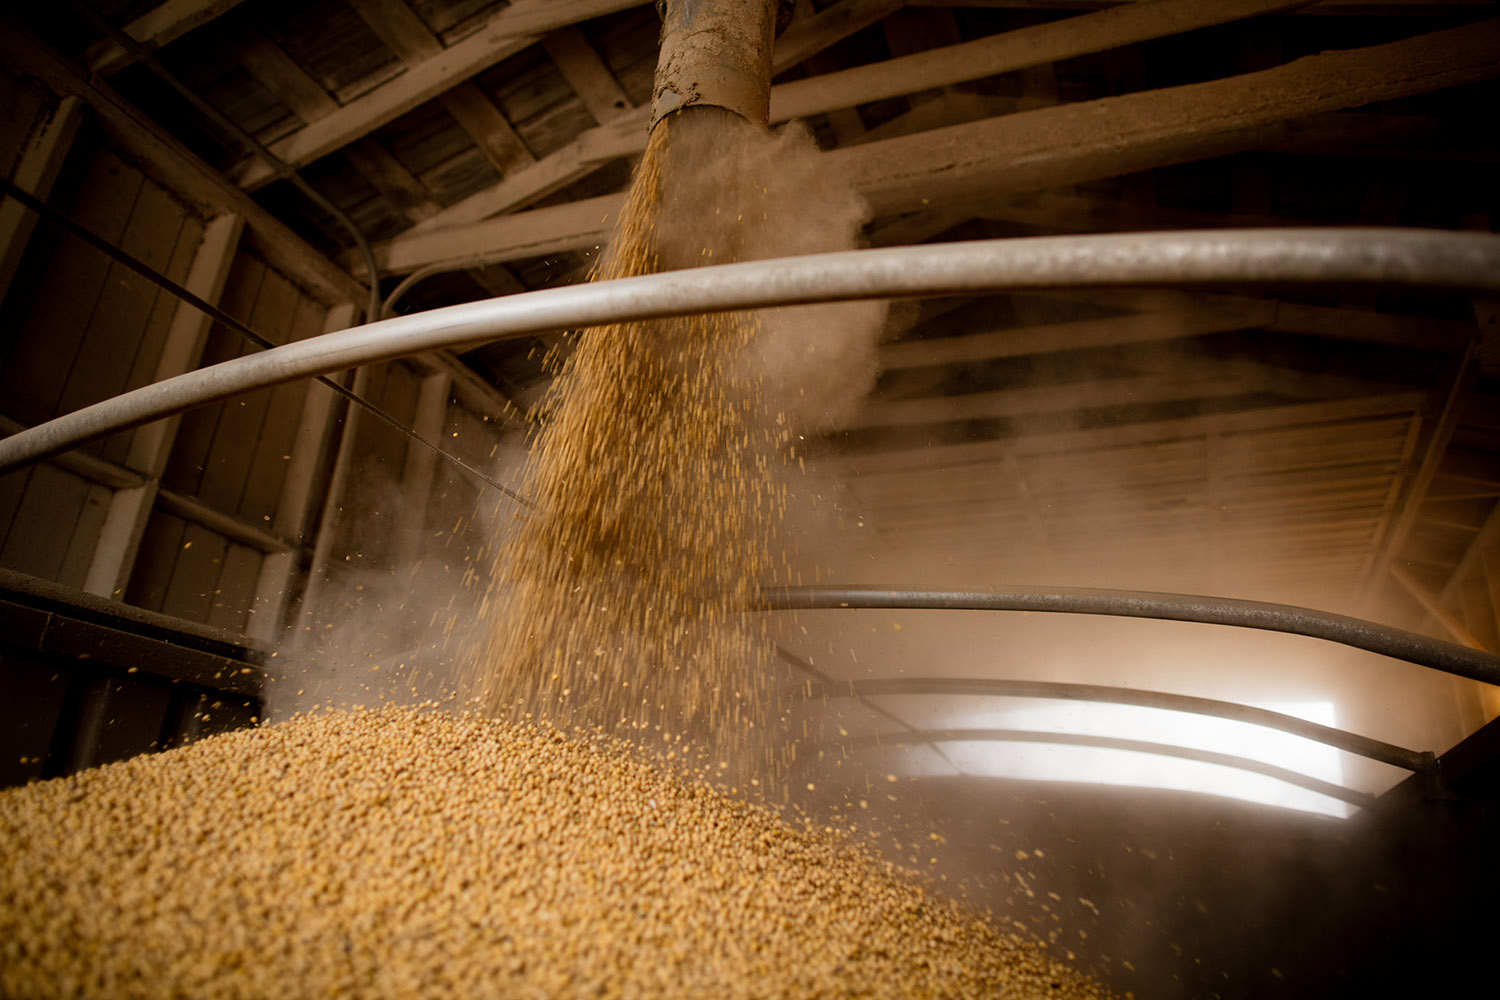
<point>406,852</point>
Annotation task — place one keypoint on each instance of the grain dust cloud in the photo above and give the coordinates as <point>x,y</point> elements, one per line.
<point>662,472</point>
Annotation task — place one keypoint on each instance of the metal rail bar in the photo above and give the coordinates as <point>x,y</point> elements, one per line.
<point>1466,262</point>
<point>934,736</point>
<point>1363,746</point>
<point>798,663</point>
<point>213,312</point>
<point>1448,657</point>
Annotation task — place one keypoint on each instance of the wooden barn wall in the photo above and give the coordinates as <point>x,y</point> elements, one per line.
<point>215,506</point>
<point>409,534</point>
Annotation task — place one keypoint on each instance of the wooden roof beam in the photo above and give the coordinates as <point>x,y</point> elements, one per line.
<point>1042,149</point>
<point>408,36</point>
<point>1053,147</point>
<point>586,73</point>
<point>625,135</point>
<point>155,28</point>
<point>1013,50</point>
<point>507,32</point>
<point>1142,328</point>
<point>830,92</point>
<point>906,460</point>
<point>177,168</point>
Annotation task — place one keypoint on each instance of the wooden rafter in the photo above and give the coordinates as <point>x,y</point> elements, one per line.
<point>1013,50</point>
<point>155,28</point>
<point>507,32</point>
<point>1052,147</point>
<point>586,73</point>
<point>408,36</point>
<point>1030,151</point>
<point>625,135</point>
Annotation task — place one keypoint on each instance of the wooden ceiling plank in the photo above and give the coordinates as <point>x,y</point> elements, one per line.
<point>413,42</point>
<point>507,32</point>
<point>1455,628</point>
<point>389,176</point>
<point>157,27</point>
<point>587,74</point>
<point>279,73</point>
<point>1126,391</point>
<point>1084,334</point>
<point>305,97</point>
<point>512,237</point>
<point>1464,380</point>
<point>949,456</point>
<point>177,168</point>
<point>1487,539</point>
<point>36,170</point>
<point>1008,52</point>
<point>491,131</point>
<point>626,135</point>
<point>1417,332</point>
<point>401,29</point>
<point>1052,147</point>
<point>808,36</point>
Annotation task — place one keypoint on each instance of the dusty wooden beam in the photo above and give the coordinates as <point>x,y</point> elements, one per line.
<point>178,169</point>
<point>901,460</point>
<point>1010,51</point>
<point>407,35</point>
<point>586,73</point>
<point>1202,382</point>
<point>155,28</point>
<point>1465,377</point>
<point>1047,338</point>
<point>125,519</point>
<point>1025,152</point>
<point>305,97</point>
<point>1434,607</point>
<point>809,35</point>
<point>391,179</point>
<point>1416,332</point>
<point>626,135</point>
<point>507,32</point>
<point>1053,147</point>
<point>532,233</point>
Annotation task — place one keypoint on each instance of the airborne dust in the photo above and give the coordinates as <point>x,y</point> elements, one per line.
<point>660,476</point>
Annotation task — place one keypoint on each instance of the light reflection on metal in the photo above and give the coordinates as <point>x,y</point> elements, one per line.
<point>1457,261</point>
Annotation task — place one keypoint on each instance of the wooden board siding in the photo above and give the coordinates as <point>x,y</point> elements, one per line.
<point>37,349</point>
<point>53,525</point>
<point>148,350</point>
<point>232,455</point>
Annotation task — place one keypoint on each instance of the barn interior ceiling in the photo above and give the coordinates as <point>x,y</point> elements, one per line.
<point>1338,447</point>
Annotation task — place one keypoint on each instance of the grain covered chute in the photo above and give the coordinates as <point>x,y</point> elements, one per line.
<point>717,54</point>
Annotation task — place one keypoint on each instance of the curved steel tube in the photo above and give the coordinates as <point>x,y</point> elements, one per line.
<point>1461,261</point>
<point>990,687</point>
<point>931,736</point>
<point>1448,657</point>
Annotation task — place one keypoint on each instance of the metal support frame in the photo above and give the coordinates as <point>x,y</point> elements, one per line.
<point>935,736</point>
<point>1394,642</point>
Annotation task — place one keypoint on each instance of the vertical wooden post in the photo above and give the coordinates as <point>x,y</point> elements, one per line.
<point>421,464</point>
<point>125,520</point>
